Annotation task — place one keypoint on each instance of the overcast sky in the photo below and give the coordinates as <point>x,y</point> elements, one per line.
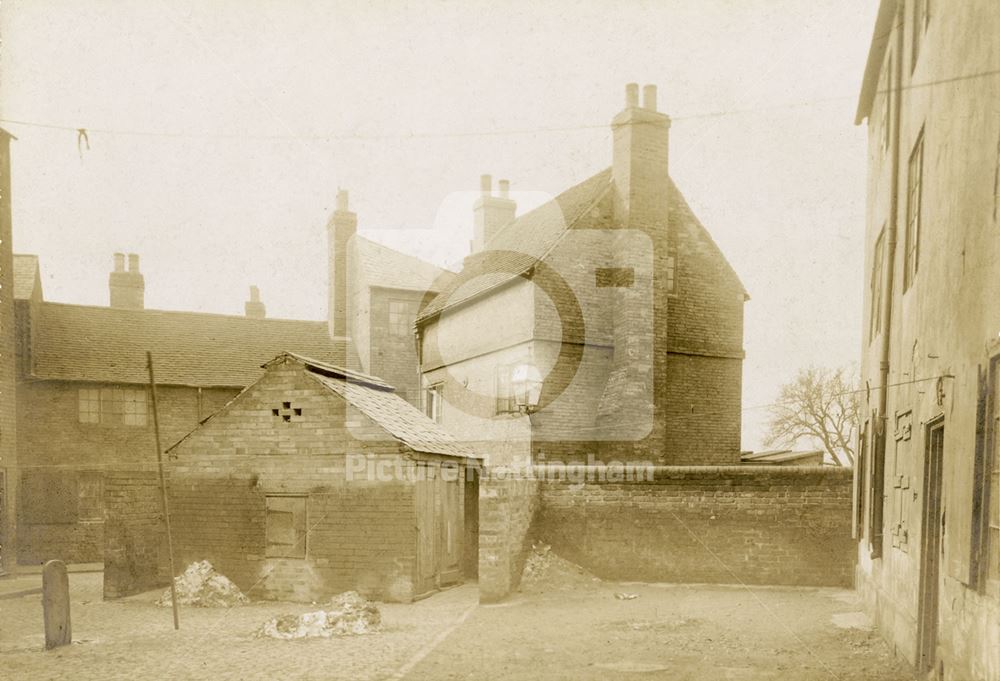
<point>219,133</point>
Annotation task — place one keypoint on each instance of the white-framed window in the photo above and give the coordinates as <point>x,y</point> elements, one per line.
<point>506,403</point>
<point>285,528</point>
<point>433,402</point>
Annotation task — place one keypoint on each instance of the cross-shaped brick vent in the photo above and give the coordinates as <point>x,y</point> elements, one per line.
<point>287,411</point>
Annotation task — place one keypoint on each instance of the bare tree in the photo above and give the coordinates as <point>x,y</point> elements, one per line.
<point>819,404</point>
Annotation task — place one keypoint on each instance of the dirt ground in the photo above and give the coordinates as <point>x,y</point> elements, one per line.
<point>570,628</point>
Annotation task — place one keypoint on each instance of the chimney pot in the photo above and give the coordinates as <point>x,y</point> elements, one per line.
<point>254,294</point>
<point>133,263</point>
<point>632,95</point>
<point>253,308</point>
<point>504,189</point>
<point>119,262</point>
<point>486,184</point>
<point>342,199</point>
<point>649,97</point>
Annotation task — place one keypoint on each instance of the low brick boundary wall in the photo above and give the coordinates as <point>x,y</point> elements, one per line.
<point>507,509</point>
<point>785,525</point>
<point>134,536</point>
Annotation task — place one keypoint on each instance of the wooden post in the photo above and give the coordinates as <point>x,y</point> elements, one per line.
<point>163,487</point>
<point>55,604</point>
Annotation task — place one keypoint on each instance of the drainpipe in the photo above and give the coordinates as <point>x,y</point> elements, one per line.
<point>878,467</point>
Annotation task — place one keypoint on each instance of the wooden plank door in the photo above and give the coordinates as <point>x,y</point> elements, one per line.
<point>427,541</point>
<point>450,529</point>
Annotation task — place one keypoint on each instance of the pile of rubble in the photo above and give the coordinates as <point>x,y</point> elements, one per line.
<point>201,585</point>
<point>545,570</point>
<point>347,615</point>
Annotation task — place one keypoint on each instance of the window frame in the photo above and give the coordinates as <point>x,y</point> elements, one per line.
<point>392,321</point>
<point>877,286</point>
<point>505,402</point>
<point>914,211</point>
<point>112,406</point>
<point>434,401</point>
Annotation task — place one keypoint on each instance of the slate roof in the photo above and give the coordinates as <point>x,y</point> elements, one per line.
<point>397,417</point>
<point>780,457</point>
<point>108,345</point>
<point>518,246</point>
<point>383,266</point>
<point>26,276</point>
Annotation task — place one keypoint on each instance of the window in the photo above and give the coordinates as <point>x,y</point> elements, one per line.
<point>875,287</point>
<point>918,20</point>
<point>285,527</point>
<point>400,318</point>
<point>887,106</point>
<point>505,402</point>
<point>112,406</point>
<point>432,402</point>
<point>90,405</point>
<point>671,270</point>
<point>914,199</point>
<point>90,488</point>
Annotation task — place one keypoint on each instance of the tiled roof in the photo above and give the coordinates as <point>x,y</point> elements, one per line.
<point>383,266</point>
<point>396,416</point>
<point>516,247</point>
<point>102,344</point>
<point>529,238</point>
<point>26,276</point>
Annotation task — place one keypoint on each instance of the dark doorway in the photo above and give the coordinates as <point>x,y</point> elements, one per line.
<point>930,546</point>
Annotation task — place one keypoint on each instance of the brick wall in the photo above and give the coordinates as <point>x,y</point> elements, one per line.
<point>394,355</point>
<point>725,524</point>
<point>52,441</point>
<point>134,537</point>
<point>506,511</point>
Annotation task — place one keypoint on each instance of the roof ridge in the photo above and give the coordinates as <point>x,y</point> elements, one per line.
<point>182,312</point>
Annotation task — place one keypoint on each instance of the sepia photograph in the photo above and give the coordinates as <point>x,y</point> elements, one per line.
<point>427,340</point>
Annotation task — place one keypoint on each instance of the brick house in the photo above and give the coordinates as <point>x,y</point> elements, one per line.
<point>619,299</point>
<point>82,404</point>
<point>374,296</point>
<point>315,480</point>
<point>927,493</point>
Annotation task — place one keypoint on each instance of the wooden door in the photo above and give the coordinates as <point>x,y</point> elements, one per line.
<point>427,541</point>
<point>930,548</point>
<point>450,524</point>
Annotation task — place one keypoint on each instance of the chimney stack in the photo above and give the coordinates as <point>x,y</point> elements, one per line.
<point>490,213</point>
<point>254,308</point>
<point>127,289</point>
<point>341,228</point>
<point>634,401</point>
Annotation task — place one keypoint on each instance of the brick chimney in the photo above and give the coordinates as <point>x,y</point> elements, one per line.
<point>341,228</point>
<point>253,307</point>
<point>127,289</point>
<point>490,213</point>
<point>632,405</point>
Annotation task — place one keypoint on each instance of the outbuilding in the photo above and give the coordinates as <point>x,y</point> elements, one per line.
<point>315,480</point>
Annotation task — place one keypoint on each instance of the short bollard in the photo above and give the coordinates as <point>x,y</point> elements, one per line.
<point>55,604</point>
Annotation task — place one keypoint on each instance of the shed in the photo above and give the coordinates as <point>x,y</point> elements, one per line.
<point>315,480</point>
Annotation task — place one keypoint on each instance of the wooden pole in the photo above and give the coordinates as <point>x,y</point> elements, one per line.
<point>163,487</point>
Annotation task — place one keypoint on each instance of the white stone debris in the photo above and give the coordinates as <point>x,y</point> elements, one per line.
<point>201,585</point>
<point>348,614</point>
<point>545,570</point>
